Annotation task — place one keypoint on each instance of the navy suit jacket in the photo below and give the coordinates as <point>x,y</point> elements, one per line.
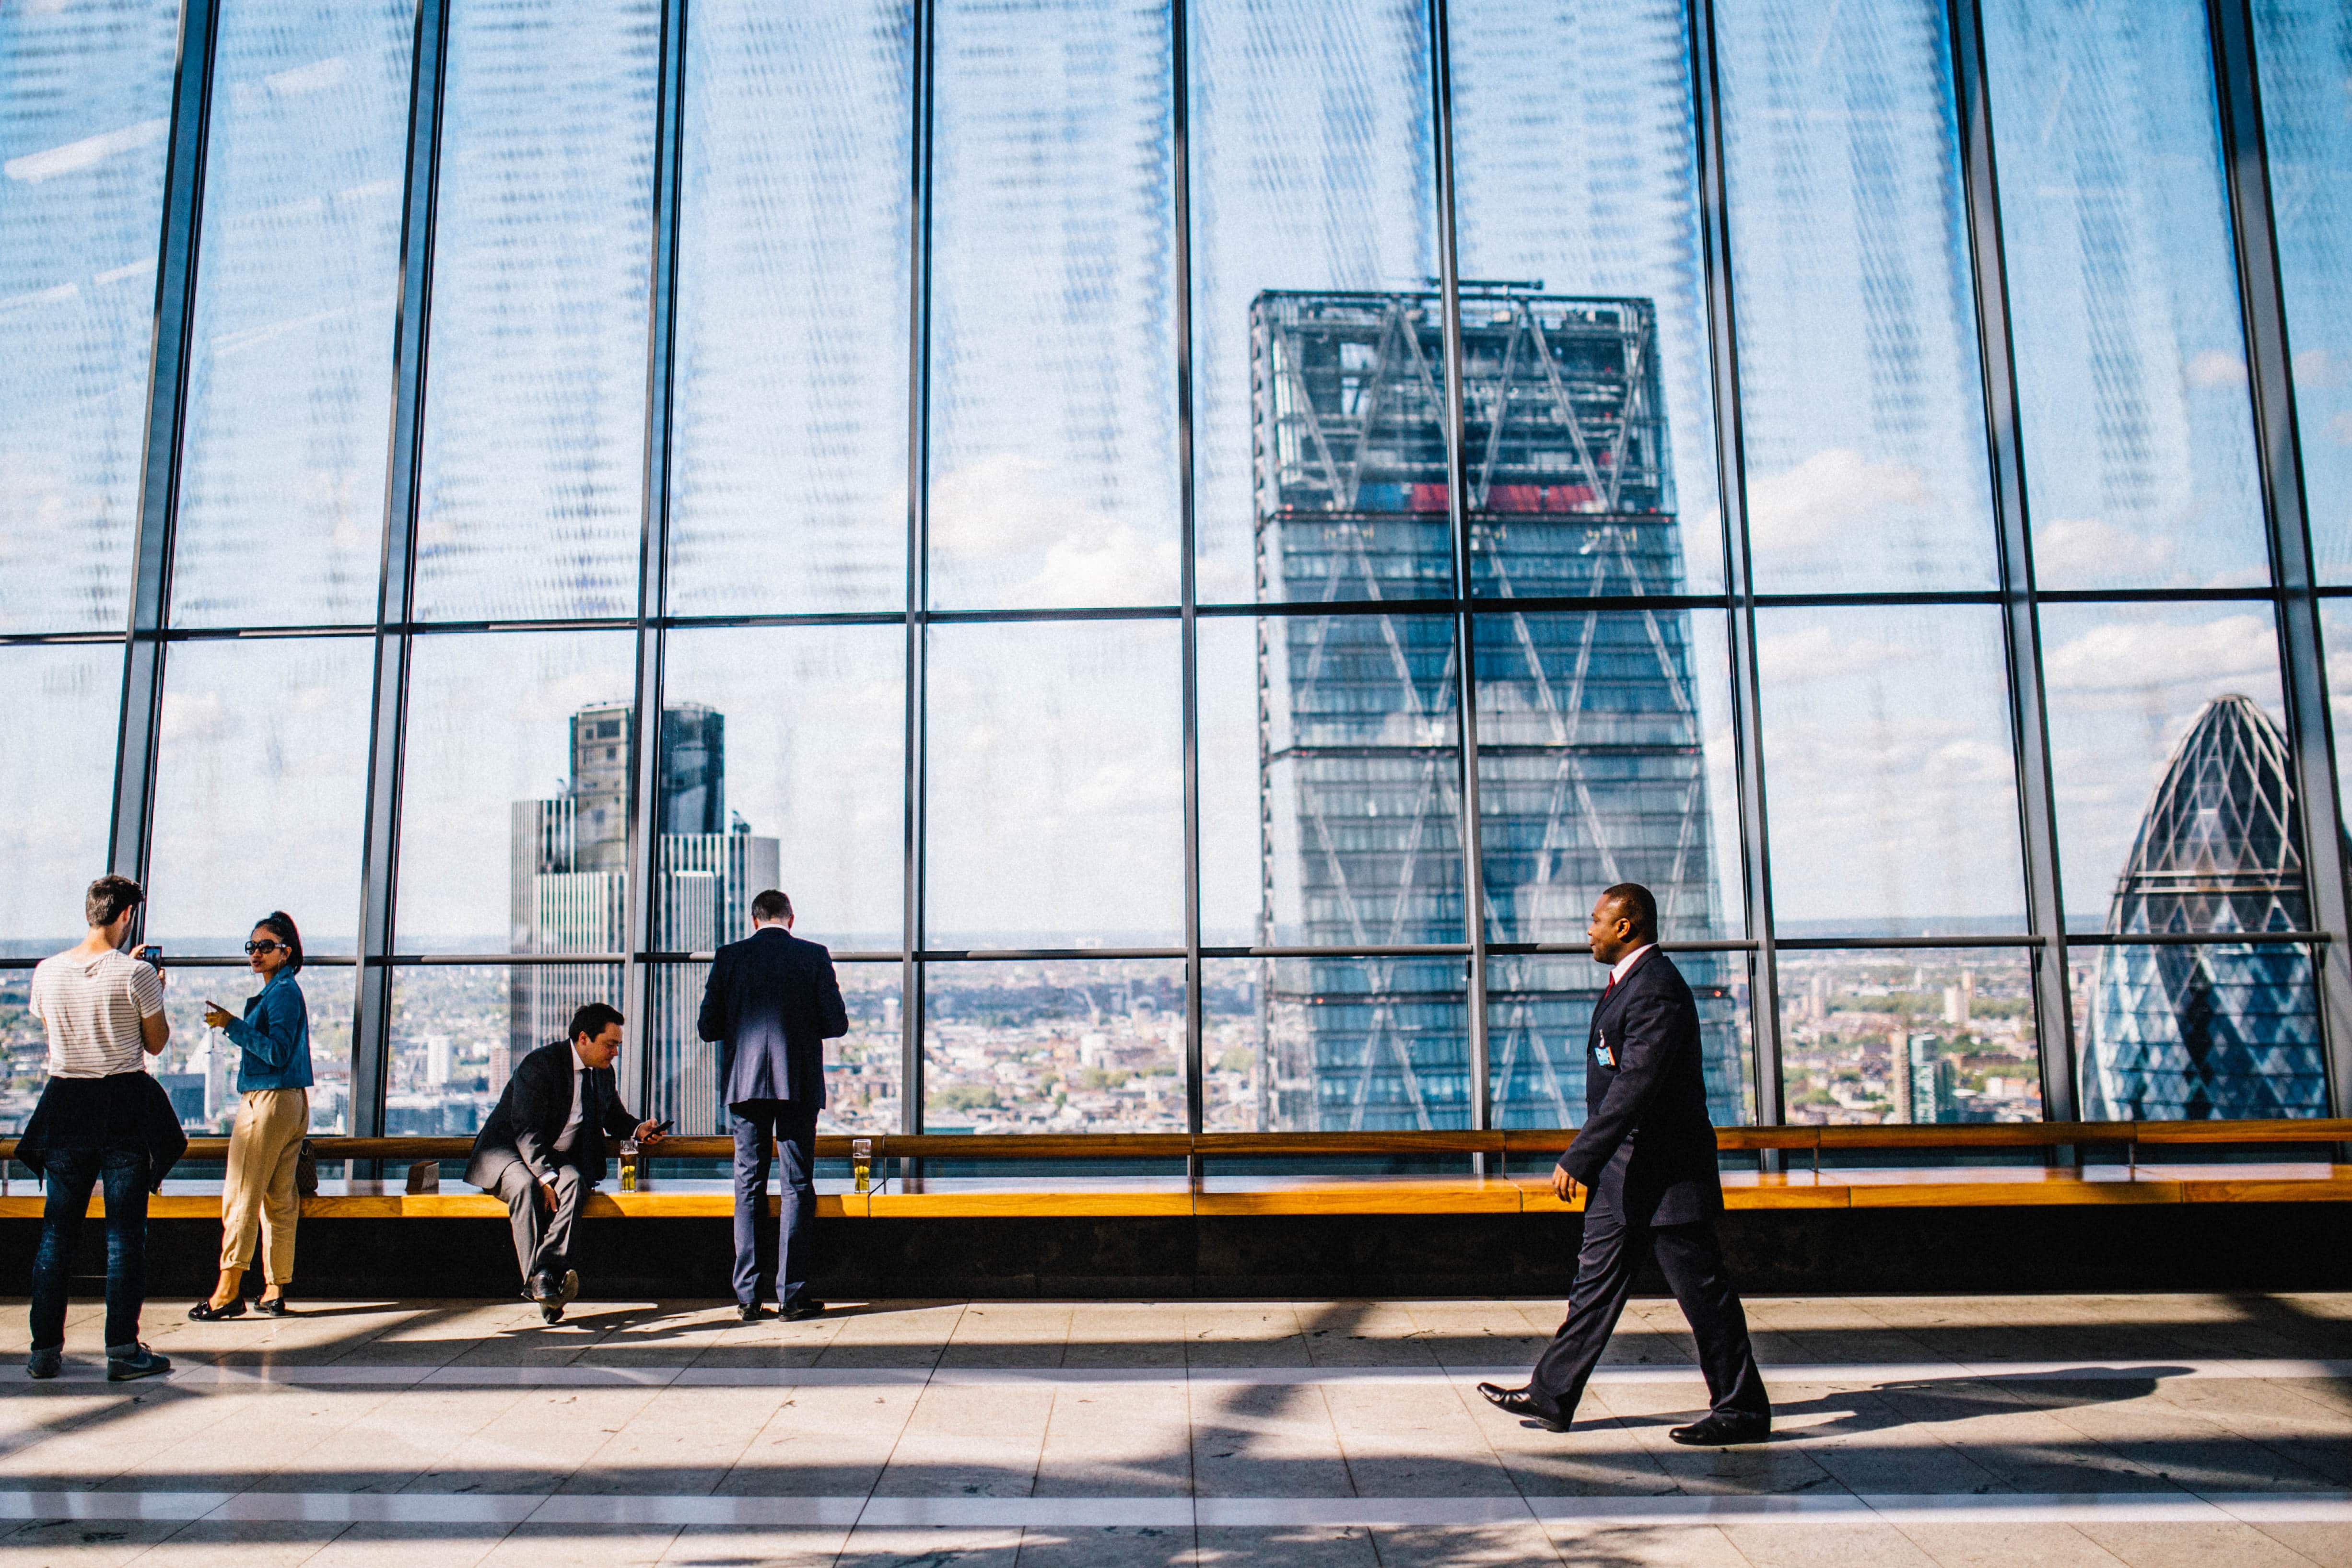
<point>770,1005</point>
<point>531,1112</point>
<point>1646,1149</point>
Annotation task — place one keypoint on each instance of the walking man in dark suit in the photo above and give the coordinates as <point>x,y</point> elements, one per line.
<point>544,1145</point>
<point>770,1005</point>
<point>1645,1157</point>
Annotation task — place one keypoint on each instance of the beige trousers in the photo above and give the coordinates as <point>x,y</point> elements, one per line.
<point>259,1191</point>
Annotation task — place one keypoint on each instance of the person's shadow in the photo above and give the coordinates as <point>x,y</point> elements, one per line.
<point>1925,1401</point>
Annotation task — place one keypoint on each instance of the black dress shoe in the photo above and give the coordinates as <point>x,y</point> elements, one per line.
<point>752,1312</point>
<point>206,1312</point>
<point>1722,1429</point>
<point>270,1306</point>
<point>800,1308</point>
<point>1522,1402</point>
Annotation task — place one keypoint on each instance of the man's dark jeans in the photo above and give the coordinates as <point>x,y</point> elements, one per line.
<point>71,1174</point>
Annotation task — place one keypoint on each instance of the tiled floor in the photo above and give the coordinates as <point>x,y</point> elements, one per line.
<point>2203,1431</point>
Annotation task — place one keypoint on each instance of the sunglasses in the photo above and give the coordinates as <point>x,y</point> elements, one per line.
<point>251,947</point>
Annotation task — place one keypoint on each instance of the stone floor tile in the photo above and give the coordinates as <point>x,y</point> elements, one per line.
<point>1801,1545</point>
<point>824,1442</point>
<point>78,1543</point>
<point>1414,1439</point>
<point>1643,1545</point>
<point>1296,1546</point>
<point>204,1543</point>
<point>1266,1440</point>
<point>1518,1544</point>
<point>2174,1545</point>
<point>2326,1545</point>
<point>396,1440</point>
<point>536,1443</point>
<point>581,1546</point>
<point>2008,1546</point>
<point>1117,1439</point>
<point>1125,1334</point>
<point>971,1440</point>
<point>684,1441</point>
<point>408,1546</point>
<point>1009,1334</point>
<point>902,1548</point>
<point>703,1546</point>
<point>1116,1547</point>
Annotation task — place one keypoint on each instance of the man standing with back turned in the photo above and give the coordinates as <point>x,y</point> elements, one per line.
<point>770,1005</point>
<point>1646,1157</point>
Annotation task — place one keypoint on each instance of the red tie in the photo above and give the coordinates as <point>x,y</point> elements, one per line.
<point>1611,986</point>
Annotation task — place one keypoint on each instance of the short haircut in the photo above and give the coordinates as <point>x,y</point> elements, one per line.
<point>280,924</point>
<point>1638,904</point>
<point>772,905</point>
<point>109,897</point>
<point>593,1020</point>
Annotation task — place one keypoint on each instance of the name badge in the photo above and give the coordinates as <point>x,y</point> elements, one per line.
<point>1602,1054</point>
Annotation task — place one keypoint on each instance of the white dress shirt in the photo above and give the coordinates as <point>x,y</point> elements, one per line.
<point>563,1140</point>
<point>1617,970</point>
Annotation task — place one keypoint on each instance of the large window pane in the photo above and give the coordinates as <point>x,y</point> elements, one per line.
<point>57,779</point>
<point>458,1029</point>
<point>282,494</point>
<point>790,446</point>
<point>1312,170</point>
<point>1055,813</point>
<point>1606,755</point>
<point>2306,50</point>
<point>2178,813</point>
<point>518,756</point>
<point>534,436</point>
<point>2335,637</point>
<point>861,1068</point>
<point>2130,352</point>
<point>1858,373</point>
<point>2180,1032</point>
<point>1582,182</point>
<point>261,792</point>
<point>1918,1034</point>
<point>794,739</point>
<point>1338,1044</point>
<point>1053,434</point>
<point>84,111</point>
<point>1891,780</point>
<point>2128,685</point>
<point>1330,781</point>
<point>199,1069</point>
<point>1091,1046</point>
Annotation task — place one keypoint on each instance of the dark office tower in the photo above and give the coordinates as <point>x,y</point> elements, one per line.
<point>2225,1031</point>
<point>570,885</point>
<point>1590,769</point>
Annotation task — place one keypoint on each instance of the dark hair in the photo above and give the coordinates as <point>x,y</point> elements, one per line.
<point>593,1020</point>
<point>109,897</point>
<point>1638,904</point>
<point>772,905</point>
<point>280,924</point>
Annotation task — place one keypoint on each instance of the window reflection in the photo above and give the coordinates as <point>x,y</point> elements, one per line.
<point>861,1068</point>
<point>457,1031</point>
<point>1582,182</point>
<point>533,468</point>
<point>790,452</point>
<point>2131,359</point>
<point>57,780</point>
<point>1052,435</point>
<point>1070,1047</point>
<point>281,500</point>
<point>2305,49</point>
<point>85,113</point>
<point>1337,1044</point>
<point>1312,169</point>
<point>1858,372</point>
<point>1908,1036</point>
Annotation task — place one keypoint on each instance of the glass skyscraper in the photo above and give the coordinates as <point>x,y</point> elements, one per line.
<point>2224,1030</point>
<point>1590,770</point>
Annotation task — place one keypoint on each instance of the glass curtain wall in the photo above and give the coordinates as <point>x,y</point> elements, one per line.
<point>1191,537</point>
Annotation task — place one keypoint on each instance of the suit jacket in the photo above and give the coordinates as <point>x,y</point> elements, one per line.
<point>1646,1149</point>
<point>770,1005</point>
<point>530,1114</point>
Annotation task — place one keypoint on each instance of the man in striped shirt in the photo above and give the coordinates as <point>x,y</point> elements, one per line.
<point>104,1013</point>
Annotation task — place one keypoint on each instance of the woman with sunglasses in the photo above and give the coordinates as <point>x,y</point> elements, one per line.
<point>273,1113</point>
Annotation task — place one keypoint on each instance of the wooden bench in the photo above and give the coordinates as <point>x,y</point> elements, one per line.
<point>2128,1180</point>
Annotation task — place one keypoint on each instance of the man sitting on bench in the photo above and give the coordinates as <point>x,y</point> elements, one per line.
<point>544,1144</point>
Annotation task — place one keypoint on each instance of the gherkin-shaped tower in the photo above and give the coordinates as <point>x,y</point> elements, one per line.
<point>2223,1031</point>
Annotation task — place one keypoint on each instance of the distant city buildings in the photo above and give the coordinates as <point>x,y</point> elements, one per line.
<point>1590,767</point>
<point>2228,1030</point>
<point>569,894</point>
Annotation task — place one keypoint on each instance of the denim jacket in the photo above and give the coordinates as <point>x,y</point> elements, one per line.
<point>275,1034</point>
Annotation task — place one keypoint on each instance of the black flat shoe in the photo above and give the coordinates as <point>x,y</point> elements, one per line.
<point>1721,1431</point>
<point>206,1312</point>
<point>800,1308</point>
<point>271,1305</point>
<point>1522,1402</point>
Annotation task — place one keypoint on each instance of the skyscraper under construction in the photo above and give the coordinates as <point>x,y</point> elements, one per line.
<point>1590,769</point>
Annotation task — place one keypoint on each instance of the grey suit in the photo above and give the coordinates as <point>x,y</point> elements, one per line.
<point>771,1004</point>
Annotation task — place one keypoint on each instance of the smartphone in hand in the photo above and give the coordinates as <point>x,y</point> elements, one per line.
<point>150,954</point>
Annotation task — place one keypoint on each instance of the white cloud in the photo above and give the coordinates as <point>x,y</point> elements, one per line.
<point>1815,653</point>
<point>2316,367</point>
<point>1828,498</point>
<point>2129,658</point>
<point>1010,509</point>
<point>2217,368</point>
<point>2075,548</point>
<point>90,151</point>
<point>2341,428</point>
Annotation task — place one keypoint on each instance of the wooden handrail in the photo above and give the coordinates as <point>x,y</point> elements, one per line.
<point>1311,1145</point>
